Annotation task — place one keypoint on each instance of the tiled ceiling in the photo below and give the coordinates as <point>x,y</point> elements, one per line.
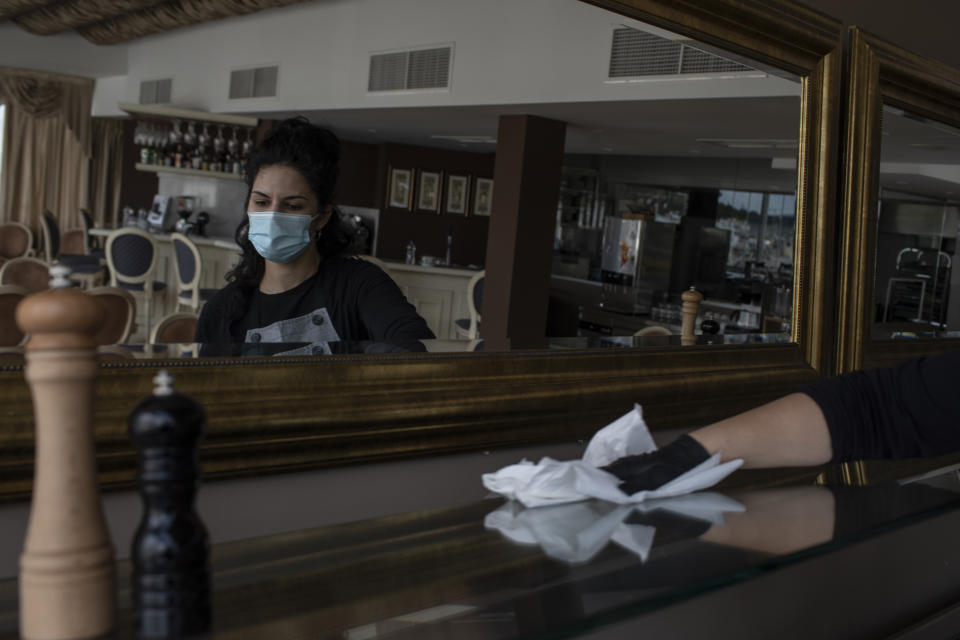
<point>113,21</point>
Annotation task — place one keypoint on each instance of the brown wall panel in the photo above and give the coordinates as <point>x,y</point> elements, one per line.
<point>137,187</point>
<point>429,230</point>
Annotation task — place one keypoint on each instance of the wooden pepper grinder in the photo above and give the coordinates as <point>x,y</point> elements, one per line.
<point>171,580</point>
<point>691,307</point>
<point>66,569</point>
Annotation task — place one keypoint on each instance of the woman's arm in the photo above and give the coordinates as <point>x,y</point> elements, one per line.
<point>910,410</point>
<point>789,432</point>
<point>385,311</point>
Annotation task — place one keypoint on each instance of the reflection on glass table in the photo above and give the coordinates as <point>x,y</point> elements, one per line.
<point>792,562</point>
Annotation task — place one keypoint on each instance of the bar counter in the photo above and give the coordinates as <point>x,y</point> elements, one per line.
<point>795,562</point>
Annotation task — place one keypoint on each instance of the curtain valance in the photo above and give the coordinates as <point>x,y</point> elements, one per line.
<point>41,94</point>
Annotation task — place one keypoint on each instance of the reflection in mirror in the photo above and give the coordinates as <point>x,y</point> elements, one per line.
<point>679,162</point>
<point>915,288</point>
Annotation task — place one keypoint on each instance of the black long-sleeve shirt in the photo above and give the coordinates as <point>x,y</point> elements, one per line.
<point>910,410</point>
<point>347,300</point>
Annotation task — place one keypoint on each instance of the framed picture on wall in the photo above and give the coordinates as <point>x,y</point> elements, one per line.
<point>428,191</point>
<point>399,188</point>
<point>483,197</point>
<point>457,189</point>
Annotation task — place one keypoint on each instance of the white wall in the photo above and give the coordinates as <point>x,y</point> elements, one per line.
<point>506,52</point>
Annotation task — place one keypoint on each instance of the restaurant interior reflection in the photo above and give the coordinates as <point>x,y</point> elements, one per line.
<point>679,170</point>
<point>916,287</point>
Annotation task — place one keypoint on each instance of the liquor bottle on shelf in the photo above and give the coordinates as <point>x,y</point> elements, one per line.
<point>218,149</point>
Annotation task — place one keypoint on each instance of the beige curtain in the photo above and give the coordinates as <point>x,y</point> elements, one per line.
<point>46,146</point>
<point>106,170</point>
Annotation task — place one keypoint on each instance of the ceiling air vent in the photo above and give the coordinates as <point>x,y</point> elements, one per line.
<point>638,53</point>
<point>260,82</point>
<point>410,70</point>
<point>155,91</point>
<point>697,61</point>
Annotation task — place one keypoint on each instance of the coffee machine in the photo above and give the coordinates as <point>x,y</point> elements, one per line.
<point>184,206</point>
<point>160,216</point>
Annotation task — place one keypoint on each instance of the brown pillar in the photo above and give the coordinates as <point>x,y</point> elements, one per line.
<point>520,241</point>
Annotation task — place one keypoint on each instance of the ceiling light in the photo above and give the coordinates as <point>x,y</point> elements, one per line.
<point>751,143</point>
<point>929,146</point>
<point>466,139</point>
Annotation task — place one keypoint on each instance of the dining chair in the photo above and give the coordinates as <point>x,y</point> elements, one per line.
<point>32,274</point>
<point>113,352</point>
<point>93,243</point>
<point>132,260</point>
<point>119,312</point>
<point>469,328</point>
<point>177,327</point>
<point>653,330</point>
<point>173,335</point>
<point>10,297</point>
<point>188,266</point>
<point>84,268</point>
<point>16,240</point>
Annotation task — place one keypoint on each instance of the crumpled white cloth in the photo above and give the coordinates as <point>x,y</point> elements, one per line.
<point>551,482</point>
<point>576,532</point>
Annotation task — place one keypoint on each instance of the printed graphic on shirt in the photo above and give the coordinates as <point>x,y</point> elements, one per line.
<point>311,327</point>
<point>314,349</point>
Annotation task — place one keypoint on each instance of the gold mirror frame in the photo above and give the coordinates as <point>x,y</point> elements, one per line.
<point>340,410</point>
<point>879,73</point>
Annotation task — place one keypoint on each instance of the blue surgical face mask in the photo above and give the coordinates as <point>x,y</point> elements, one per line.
<point>279,237</point>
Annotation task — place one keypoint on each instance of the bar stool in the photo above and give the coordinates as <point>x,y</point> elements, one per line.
<point>132,258</point>
<point>189,269</point>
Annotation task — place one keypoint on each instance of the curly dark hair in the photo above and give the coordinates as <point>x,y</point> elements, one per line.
<point>314,151</point>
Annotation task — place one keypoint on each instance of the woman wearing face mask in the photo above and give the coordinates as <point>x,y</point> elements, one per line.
<point>293,284</point>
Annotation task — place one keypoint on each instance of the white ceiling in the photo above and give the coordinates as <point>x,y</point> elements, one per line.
<point>649,128</point>
<point>646,127</point>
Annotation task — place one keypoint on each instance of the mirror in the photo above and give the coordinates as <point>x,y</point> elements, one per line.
<point>901,199</point>
<point>267,415</point>
<point>916,289</point>
<point>679,167</point>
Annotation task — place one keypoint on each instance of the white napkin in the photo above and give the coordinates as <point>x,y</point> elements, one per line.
<point>551,482</point>
<point>577,532</point>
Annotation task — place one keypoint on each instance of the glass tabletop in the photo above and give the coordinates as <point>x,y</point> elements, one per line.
<point>497,570</point>
<point>492,569</point>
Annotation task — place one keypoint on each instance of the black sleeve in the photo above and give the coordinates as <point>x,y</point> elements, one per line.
<point>385,311</point>
<point>212,324</point>
<point>911,410</point>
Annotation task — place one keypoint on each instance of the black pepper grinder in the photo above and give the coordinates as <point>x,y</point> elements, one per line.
<point>171,580</point>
